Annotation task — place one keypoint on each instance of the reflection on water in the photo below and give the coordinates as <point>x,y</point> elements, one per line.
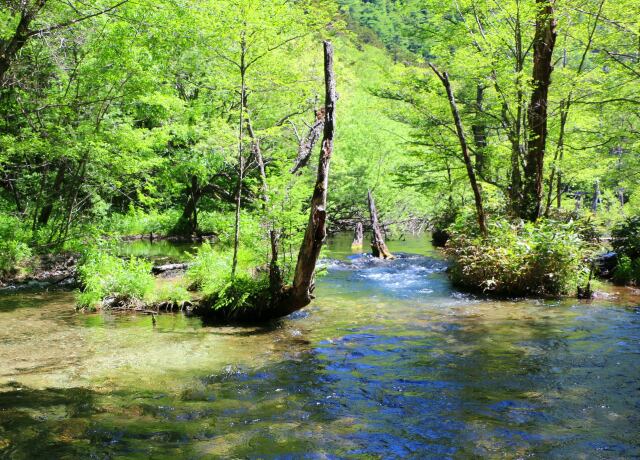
<point>387,362</point>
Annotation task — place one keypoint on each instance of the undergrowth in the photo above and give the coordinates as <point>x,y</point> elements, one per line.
<point>103,275</point>
<point>546,258</point>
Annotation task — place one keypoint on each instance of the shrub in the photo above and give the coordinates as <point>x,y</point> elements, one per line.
<point>15,251</point>
<point>172,293</point>
<point>545,258</point>
<point>627,271</point>
<point>626,238</point>
<point>210,273</point>
<point>237,293</point>
<point>103,275</point>
<point>210,268</point>
<point>138,222</point>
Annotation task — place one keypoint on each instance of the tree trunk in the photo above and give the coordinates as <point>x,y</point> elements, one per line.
<point>45,213</point>
<point>303,284</point>
<point>238,198</point>
<point>275,274</point>
<point>358,237</point>
<point>564,112</point>
<point>516,128</point>
<point>543,44</point>
<point>378,247</point>
<point>480,214</point>
<point>479,129</point>
<point>300,294</point>
<point>578,198</point>
<point>189,219</point>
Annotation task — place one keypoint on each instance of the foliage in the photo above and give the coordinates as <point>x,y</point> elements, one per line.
<point>241,292</point>
<point>210,274</point>
<point>138,222</point>
<point>172,293</point>
<point>626,243</point>
<point>103,275</point>
<point>627,271</point>
<point>14,244</point>
<point>626,238</point>
<point>546,258</point>
<point>210,268</point>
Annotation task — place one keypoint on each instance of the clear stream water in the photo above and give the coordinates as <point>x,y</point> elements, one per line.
<point>388,362</point>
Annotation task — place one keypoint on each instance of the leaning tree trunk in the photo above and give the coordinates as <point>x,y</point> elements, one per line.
<point>358,237</point>
<point>480,214</point>
<point>378,247</point>
<point>543,43</point>
<point>299,295</point>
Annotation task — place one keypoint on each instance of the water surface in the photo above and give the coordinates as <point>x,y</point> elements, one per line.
<point>388,362</point>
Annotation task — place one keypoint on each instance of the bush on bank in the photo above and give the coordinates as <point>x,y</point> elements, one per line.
<point>546,258</point>
<point>626,243</point>
<point>103,276</point>
<point>210,273</point>
<point>15,251</point>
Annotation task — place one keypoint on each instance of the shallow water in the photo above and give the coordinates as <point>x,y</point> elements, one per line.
<point>388,362</point>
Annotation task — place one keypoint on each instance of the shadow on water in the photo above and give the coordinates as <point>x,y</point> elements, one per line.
<point>388,362</point>
<point>277,409</point>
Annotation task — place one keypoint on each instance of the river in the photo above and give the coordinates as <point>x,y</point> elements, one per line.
<point>388,362</point>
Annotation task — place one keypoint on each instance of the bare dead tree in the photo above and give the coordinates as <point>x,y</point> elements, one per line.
<point>378,247</point>
<point>358,237</point>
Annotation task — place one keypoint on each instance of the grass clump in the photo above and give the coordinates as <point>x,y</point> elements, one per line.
<point>104,276</point>
<point>224,295</point>
<point>172,293</point>
<point>546,258</point>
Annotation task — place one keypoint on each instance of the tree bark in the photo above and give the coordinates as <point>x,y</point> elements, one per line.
<point>238,197</point>
<point>543,44</point>
<point>378,247</point>
<point>480,214</point>
<point>275,274</point>
<point>47,209</point>
<point>358,237</point>
<point>564,112</point>
<point>314,237</point>
<point>479,129</point>
<point>189,218</point>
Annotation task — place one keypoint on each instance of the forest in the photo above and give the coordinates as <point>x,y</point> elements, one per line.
<point>235,163</point>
